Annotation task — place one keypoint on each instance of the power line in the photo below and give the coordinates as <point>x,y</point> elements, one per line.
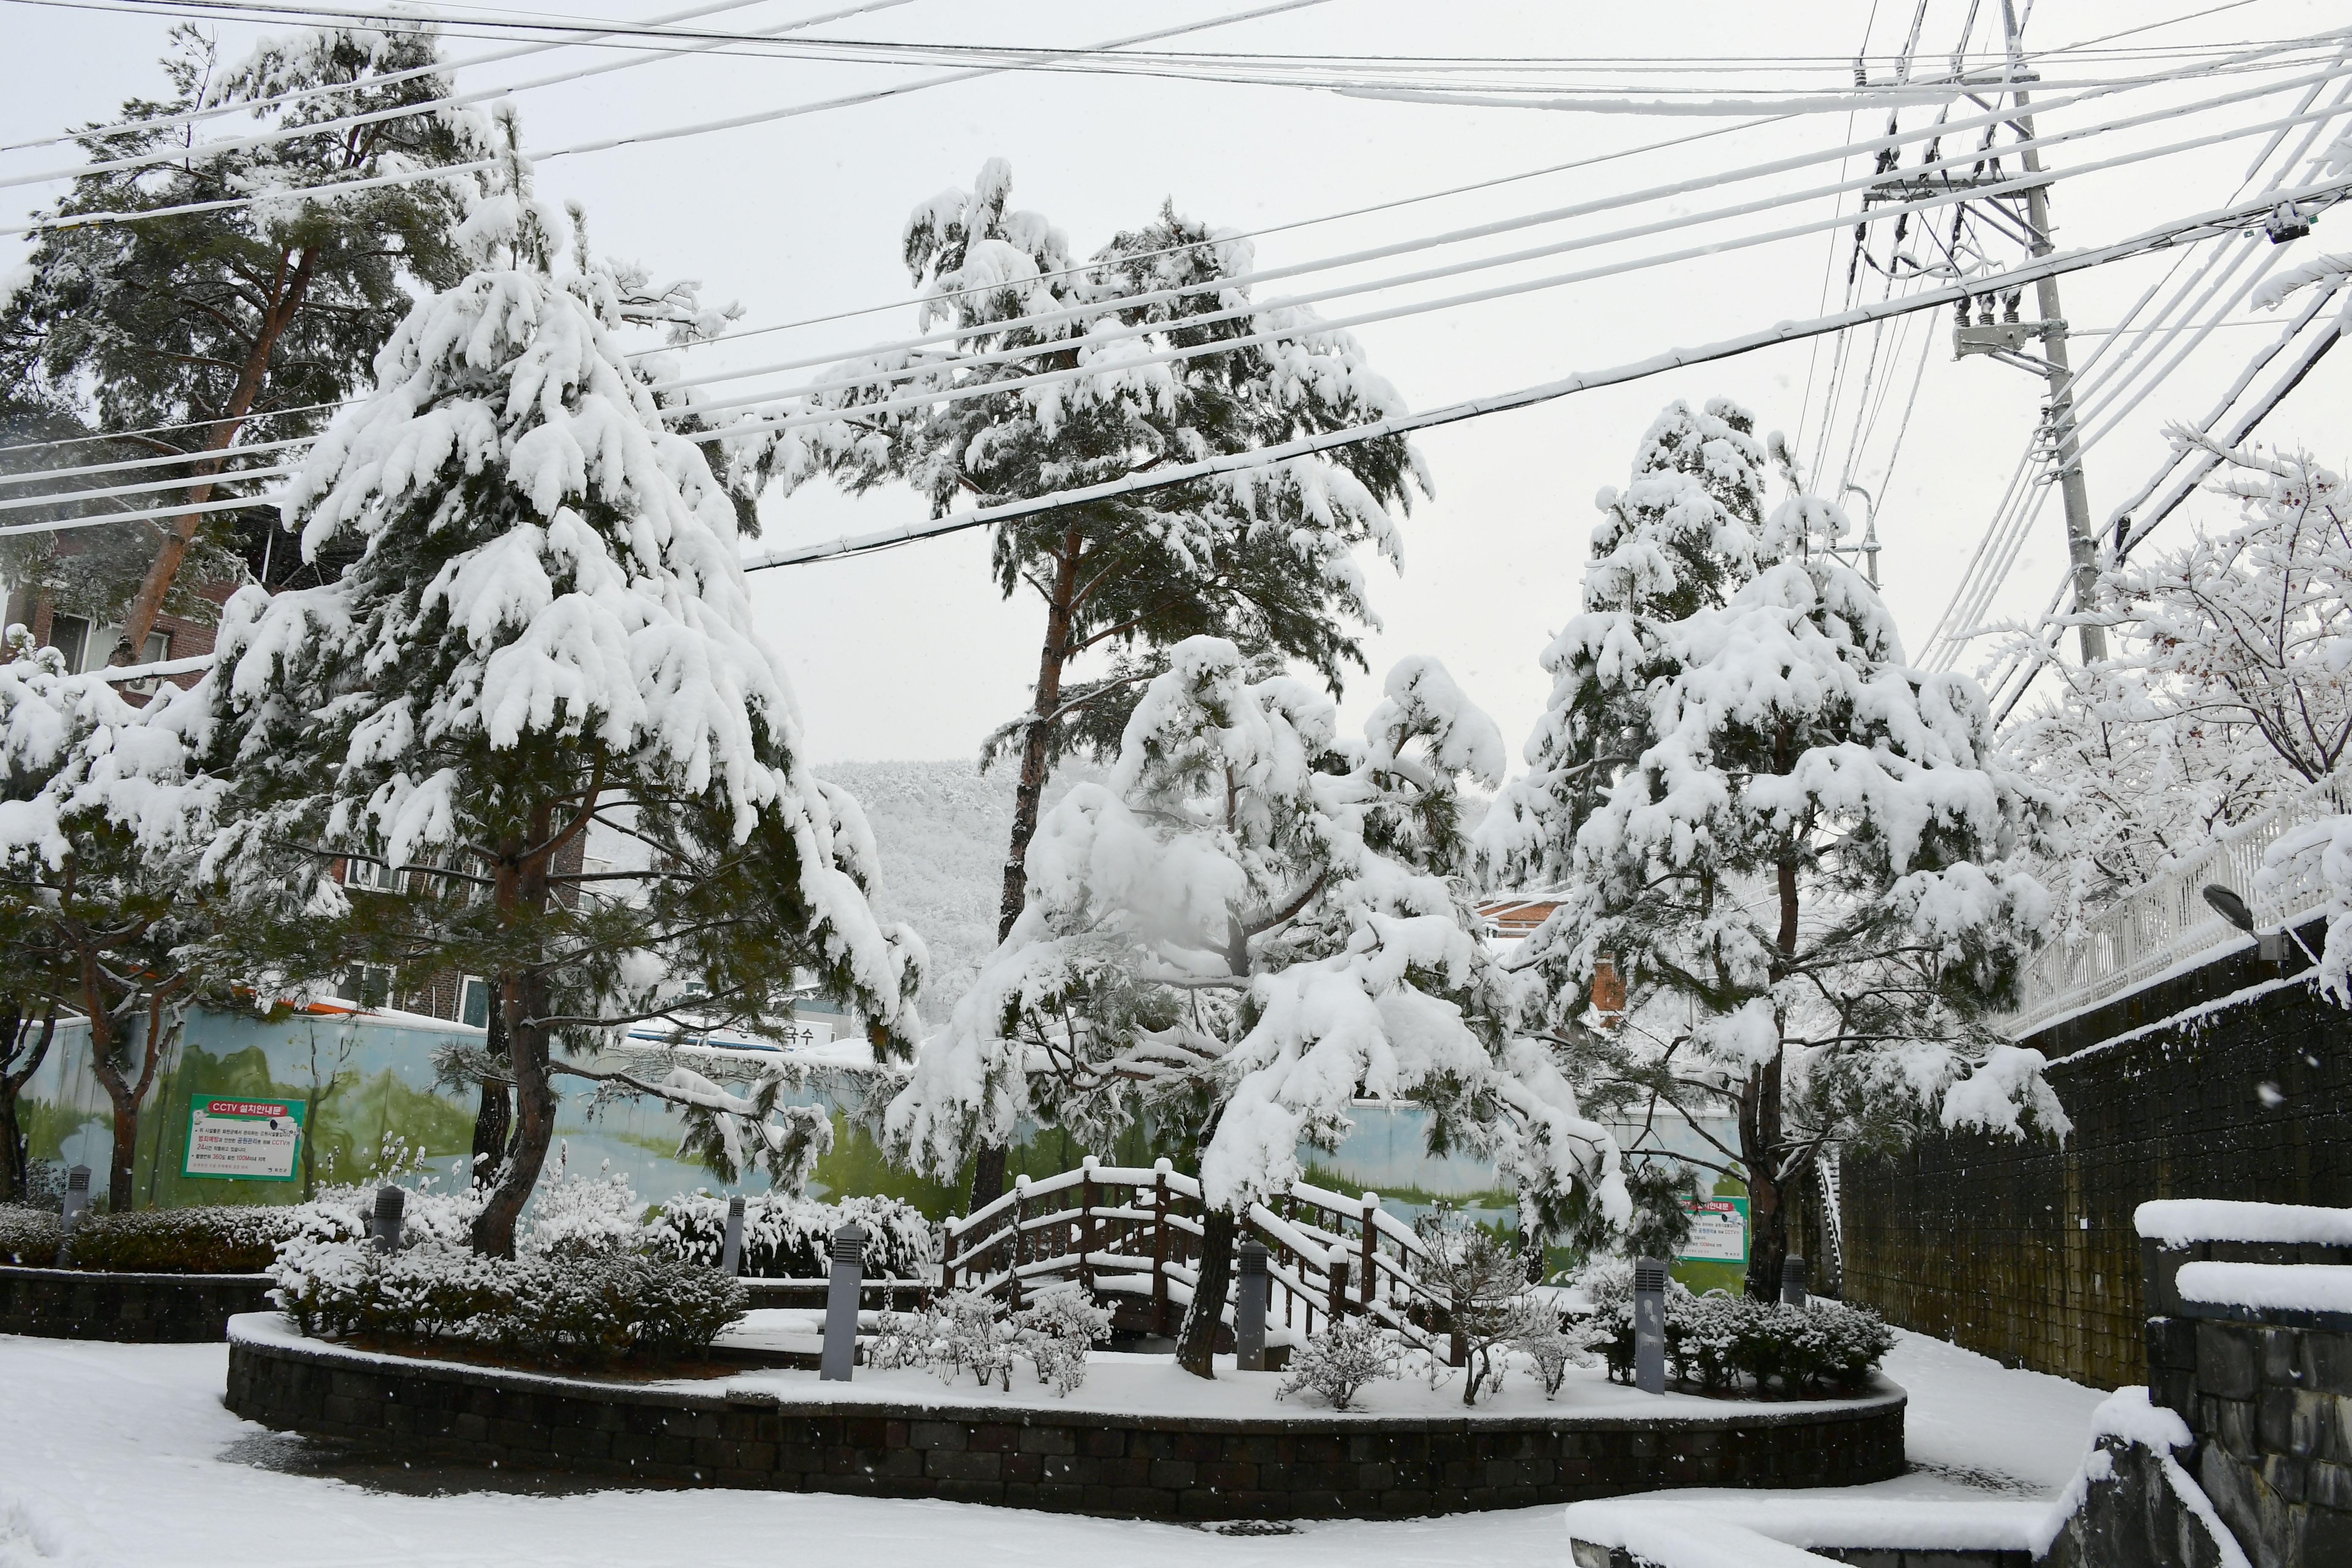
<point>1598,205</point>
<point>608,143</point>
<point>210,150</point>
<point>930,398</point>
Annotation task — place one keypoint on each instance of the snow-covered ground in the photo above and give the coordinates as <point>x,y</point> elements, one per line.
<point>121,1454</point>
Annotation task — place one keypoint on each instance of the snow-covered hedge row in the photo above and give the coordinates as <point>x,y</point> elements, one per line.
<point>580,1305</point>
<point>1712,1341</point>
<point>211,1240</point>
<point>791,1238</point>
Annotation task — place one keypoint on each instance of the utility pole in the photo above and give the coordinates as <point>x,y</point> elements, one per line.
<point>2082,543</point>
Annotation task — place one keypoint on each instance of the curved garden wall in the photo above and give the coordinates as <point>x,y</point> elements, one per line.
<point>1311,1465</point>
<point>84,1304</point>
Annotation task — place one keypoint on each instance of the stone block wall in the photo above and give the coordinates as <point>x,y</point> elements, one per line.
<point>2271,1406</point>
<point>163,1308</point>
<point>1307,1465</point>
<point>2027,1251</point>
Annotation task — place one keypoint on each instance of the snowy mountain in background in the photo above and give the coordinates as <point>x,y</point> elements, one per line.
<point>942,828</point>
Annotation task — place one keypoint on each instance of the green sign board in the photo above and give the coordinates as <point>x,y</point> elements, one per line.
<point>1719,1231</point>
<point>244,1139</point>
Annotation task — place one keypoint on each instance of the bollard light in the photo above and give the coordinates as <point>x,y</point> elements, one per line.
<point>389,1203</point>
<point>730,1255</point>
<point>1650,1325</point>
<point>77,1202</point>
<point>1249,1309</point>
<point>1792,1280</point>
<point>841,1304</point>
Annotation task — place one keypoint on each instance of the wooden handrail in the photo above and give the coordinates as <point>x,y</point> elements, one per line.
<point>1111,1228</point>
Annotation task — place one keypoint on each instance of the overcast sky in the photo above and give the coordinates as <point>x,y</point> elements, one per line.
<point>912,654</point>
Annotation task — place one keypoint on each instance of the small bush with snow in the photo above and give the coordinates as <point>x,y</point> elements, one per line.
<point>592,1307</point>
<point>1715,1341</point>
<point>1056,1330</point>
<point>788,1237</point>
<point>1341,1362</point>
<point>968,1330</point>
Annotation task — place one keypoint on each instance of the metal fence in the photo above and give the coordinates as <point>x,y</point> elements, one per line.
<point>2166,926</point>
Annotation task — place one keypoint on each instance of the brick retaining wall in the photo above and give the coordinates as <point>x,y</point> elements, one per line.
<point>1079,1461</point>
<point>160,1309</point>
<point>2026,1251</point>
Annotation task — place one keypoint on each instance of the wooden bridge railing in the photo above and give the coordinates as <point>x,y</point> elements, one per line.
<point>1133,1235</point>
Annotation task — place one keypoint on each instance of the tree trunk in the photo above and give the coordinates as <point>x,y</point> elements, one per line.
<point>987,1178</point>
<point>494,1228</point>
<point>522,889</point>
<point>494,1118</point>
<point>125,1095</point>
<point>148,602</point>
<point>1196,1342</point>
<point>1029,793</point>
<point>15,1176</point>
<point>1759,1151</point>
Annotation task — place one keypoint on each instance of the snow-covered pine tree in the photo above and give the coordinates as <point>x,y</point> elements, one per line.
<point>1252,922</point>
<point>1803,855</point>
<point>1263,557</point>
<point>235,322</point>
<point>547,628</point>
<point>1678,539</point>
<point>102,822</point>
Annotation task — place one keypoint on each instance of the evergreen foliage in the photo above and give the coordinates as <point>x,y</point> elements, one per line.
<point>1805,856</point>
<point>236,324</point>
<point>545,627</point>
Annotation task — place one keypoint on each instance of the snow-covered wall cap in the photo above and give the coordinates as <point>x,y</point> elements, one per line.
<point>2279,1287</point>
<point>2177,1222</point>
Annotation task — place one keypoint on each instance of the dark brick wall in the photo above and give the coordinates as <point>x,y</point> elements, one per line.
<point>1302,1466</point>
<point>160,1309</point>
<point>2027,1253</point>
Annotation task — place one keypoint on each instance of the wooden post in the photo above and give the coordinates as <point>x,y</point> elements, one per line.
<point>947,1253</point>
<point>1160,1239</point>
<point>1338,1289</point>
<point>1457,1349</point>
<point>1086,1230</point>
<point>1369,1284</point>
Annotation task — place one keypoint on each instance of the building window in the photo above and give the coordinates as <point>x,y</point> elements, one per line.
<point>474,1002</point>
<point>370,985</point>
<point>370,874</point>
<point>69,634</point>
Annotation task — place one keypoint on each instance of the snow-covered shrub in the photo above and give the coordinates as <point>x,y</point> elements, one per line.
<point>1714,1341</point>
<point>577,1214</point>
<point>29,1237</point>
<point>1483,1284</point>
<point>1552,1346</point>
<point>975,1338</point>
<point>210,1240</point>
<point>1056,1330</point>
<point>428,1213</point>
<point>1338,1363</point>
<point>579,1305</point>
<point>788,1237</point>
<point>968,1330</point>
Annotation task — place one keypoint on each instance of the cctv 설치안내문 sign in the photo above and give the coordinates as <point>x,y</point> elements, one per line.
<point>244,1139</point>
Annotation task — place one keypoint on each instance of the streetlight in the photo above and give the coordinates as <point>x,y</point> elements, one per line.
<point>2270,946</point>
